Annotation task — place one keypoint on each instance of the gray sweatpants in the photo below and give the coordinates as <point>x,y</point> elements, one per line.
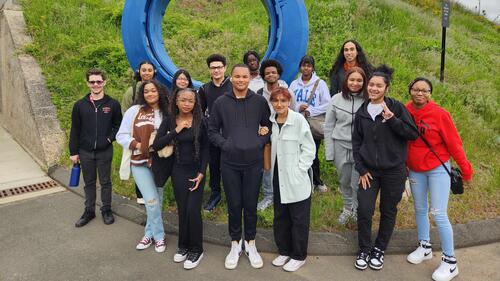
<point>348,176</point>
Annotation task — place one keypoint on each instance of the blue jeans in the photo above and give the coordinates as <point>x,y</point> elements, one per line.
<point>267,184</point>
<point>153,197</point>
<point>436,183</point>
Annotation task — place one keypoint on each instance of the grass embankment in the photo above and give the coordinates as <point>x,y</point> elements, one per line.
<point>72,36</point>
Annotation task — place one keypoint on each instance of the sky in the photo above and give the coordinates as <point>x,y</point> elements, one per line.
<point>492,8</point>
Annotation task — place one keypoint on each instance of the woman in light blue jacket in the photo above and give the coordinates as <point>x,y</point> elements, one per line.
<point>292,154</point>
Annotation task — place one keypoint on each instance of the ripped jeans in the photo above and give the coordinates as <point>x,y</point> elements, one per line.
<point>153,198</point>
<point>436,183</point>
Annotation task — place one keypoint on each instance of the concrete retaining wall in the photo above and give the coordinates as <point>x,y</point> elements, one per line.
<point>26,110</point>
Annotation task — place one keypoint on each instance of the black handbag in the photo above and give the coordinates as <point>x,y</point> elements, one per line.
<point>457,184</point>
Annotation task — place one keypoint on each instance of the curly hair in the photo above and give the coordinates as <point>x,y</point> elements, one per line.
<point>270,63</point>
<point>197,120</point>
<point>163,102</point>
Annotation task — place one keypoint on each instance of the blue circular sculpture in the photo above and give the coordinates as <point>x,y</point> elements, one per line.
<point>143,40</point>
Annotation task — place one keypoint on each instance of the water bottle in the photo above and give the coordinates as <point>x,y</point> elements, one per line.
<point>74,179</point>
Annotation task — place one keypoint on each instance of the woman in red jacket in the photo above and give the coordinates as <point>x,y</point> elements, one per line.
<point>428,176</point>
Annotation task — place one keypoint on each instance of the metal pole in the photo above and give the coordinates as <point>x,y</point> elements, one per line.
<point>443,48</point>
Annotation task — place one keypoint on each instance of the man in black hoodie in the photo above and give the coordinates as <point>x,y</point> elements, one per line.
<point>234,124</point>
<point>208,93</point>
<point>95,120</point>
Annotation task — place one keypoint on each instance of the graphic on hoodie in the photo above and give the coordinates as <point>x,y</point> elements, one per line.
<point>321,99</point>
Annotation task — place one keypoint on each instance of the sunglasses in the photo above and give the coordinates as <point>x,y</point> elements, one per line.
<point>97,82</point>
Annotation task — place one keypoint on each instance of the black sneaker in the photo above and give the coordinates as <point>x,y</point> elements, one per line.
<point>85,218</point>
<point>362,260</point>
<point>376,259</point>
<point>193,259</point>
<point>181,255</point>
<point>212,202</point>
<point>107,217</point>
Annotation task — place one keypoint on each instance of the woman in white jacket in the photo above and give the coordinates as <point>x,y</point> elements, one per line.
<point>292,153</point>
<point>302,88</point>
<point>136,135</point>
<point>339,124</point>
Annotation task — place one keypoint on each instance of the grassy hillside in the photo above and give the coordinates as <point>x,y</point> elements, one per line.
<point>71,36</point>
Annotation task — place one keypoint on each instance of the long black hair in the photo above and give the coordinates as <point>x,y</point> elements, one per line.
<point>163,102</point>
<point>361,59</point>
<point>197,120</point>
<point>137,72</point>
<point>176,76</point>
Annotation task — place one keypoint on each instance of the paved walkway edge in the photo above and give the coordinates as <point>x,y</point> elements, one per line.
<point>320,243</point>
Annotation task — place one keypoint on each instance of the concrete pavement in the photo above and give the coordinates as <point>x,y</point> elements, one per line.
<point>38,241</point>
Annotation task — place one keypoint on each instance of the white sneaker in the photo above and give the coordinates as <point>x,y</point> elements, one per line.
<point>447,270</point>
<point>253,255</point>
<point>144,243</point>
<point>345,216</point>
<point>321,188</point>
<point>161,245</point>
<point>193,260</point>
<point>181,255</point>
<point>233,256</point>
<point>423,252</point>
<point>293,265</point>
<point>265,203</point>
<point>140,201</point>
<point>280,260</point>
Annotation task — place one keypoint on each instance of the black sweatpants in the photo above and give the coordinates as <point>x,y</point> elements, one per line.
<point>94,163</point>
<point>391,184</point>
<point>291,224</point>
<point>315,166</point>
<point>241,186</point>
<point>214,167</point>
<point>188,207</point>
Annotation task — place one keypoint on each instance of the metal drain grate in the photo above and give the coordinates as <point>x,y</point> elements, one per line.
<point>27,189</point>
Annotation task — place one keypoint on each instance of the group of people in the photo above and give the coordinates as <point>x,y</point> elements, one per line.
<point>374,141</point>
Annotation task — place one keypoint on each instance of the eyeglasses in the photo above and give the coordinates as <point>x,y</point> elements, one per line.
<point>423,91</point>
<point>216,67</point>
<point>97,82</point>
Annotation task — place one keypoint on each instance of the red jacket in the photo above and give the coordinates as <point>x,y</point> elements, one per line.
<point>436,125</point>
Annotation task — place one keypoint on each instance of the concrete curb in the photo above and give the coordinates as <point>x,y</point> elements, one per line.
<point>320,243</point>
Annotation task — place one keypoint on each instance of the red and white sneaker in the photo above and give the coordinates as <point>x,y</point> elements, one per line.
<point>160,245</point>
<point>144,243</point>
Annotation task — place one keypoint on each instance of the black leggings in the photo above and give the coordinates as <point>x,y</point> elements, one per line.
<point>188,207</point>
<point>391,184</point>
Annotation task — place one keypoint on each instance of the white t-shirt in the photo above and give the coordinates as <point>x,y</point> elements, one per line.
<point>375,109</point>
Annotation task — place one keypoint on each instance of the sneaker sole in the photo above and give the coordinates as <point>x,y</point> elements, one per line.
<point>193,265</point>
<point>180,259</point>
<point>428,257</point>
<point>140,249</point>
<point>375,267</point>
<point>280,265</point>
<point>358,267</point>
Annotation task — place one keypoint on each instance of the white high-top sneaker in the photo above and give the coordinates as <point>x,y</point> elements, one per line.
<point>447,270</point>
<point>253,255</point>
<point>423,252</point>
<point>234,255</point>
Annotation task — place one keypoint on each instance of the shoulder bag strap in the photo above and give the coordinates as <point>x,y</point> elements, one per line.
<point>311,96</point>
<point>435,154</point>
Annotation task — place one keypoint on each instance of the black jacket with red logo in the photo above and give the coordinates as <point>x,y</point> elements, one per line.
<point>94,124</point>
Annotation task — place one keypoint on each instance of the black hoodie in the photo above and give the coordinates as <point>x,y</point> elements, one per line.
<point>94,127</point>
<point>379,145</point>
<point>209,92</point>
<point>234,126</point>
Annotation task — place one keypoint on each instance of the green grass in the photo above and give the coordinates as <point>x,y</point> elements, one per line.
<point>72,36</point>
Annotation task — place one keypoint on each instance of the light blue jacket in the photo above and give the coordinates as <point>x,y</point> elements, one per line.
<point>295,150</point>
